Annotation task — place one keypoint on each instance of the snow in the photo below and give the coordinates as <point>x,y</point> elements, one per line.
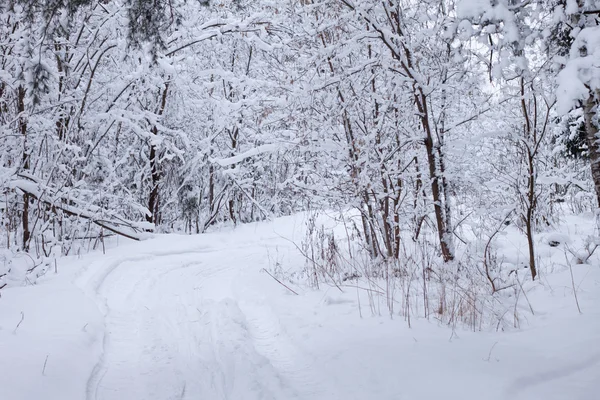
<point>52,351</point>
<point>265,148</point>
<point>472,8</point>
<point>572,7</point>
<point>193,317</point>
<point>580,74</point>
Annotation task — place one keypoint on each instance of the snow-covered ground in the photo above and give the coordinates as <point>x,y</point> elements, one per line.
<point>195,317</point>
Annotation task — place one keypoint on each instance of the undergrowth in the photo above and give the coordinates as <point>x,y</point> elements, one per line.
<point>478,290</point>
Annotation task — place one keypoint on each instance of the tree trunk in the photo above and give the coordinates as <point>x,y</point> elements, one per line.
<point>153,199</point>
<point>529,144</point>
<point>155,176</point>
<point>591,129</point>
<point>529,219</point>
<point>439,203</point>
<point>25,165</point>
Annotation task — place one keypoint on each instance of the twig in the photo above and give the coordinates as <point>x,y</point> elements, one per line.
<point>281,283</point>
<point>363,288</point>
<point>572,278</point>
<point>45,362</point>
<point>578,258</point>
<point>486,253</point>
<point>323,269</point>
<point>500,320</point>
<point>490,353</point>
<point>574,290</point>
<point>19,324</point>
<point>524,294</point>
<point>32,260</point>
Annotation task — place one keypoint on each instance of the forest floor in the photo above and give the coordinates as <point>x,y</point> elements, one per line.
<point>196,317</point>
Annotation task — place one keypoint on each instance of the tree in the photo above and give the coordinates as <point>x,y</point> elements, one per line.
<point>578,80</point>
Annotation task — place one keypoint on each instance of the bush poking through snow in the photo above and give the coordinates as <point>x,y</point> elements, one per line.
<point>478,290</point>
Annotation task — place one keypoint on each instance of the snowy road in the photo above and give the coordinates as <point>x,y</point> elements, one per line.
<point>187,325</point>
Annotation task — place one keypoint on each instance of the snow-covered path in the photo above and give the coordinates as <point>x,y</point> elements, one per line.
<point>193,317</point>
<point>185,324</point>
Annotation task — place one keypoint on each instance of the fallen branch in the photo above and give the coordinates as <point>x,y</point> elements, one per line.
<point>129,229</point>
<point>281,283</point>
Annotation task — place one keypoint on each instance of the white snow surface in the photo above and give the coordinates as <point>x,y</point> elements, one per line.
<point>193,317</point>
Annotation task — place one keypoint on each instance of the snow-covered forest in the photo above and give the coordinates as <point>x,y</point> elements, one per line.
<point>428,161</point>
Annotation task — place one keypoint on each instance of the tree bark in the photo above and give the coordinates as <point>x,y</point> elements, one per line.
<point>155,176</point>
<point>529,144</point>
<point>439,203</point>
<point>591,129</point>
<point>153,199</point>
<point>25,165</point>
<point>529,219</point>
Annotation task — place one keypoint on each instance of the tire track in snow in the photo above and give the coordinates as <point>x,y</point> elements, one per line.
<point>173,333</point>
<point>246,374</point>
<point>94,280</point>
<point>271,340</point>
